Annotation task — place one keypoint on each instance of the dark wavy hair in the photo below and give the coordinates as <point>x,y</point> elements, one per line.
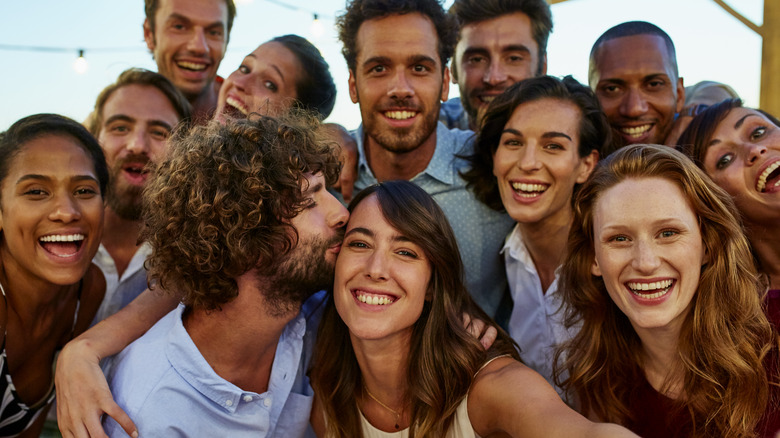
<point>220,204</point>
<point>140,76</point>
<point>359,11</point>
<point>594,130</point>
<point>315,89</point>
<point>443,356</point>
<point>29,128</point>
<point>724,339</point>
<point>538,11</point>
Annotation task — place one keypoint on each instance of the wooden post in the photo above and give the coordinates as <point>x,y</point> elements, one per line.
<point>770,58</point>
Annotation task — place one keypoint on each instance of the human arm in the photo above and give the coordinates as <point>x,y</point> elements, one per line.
<point>348,155</point>
<point>681,123</point>
<point>509,397</point>
<point>83,395</point>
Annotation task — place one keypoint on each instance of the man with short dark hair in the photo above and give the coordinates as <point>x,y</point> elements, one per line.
<point>500,42</point>
<point>397,53</point>
<point>633,71</point>
<point>132,120</point>
<point>188,39</point>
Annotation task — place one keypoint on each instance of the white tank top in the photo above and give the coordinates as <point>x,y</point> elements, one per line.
<point>460,427</point>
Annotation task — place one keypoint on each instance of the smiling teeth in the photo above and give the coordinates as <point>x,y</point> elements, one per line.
<point>374,300</point>
<point>761,185</point>
<point>237,105</point>
<point>191,65</point>
<point>400,115</point>
<point>636,131</point>
<point>487,99</point>
<point>661,286</point>
<point>63,238</point>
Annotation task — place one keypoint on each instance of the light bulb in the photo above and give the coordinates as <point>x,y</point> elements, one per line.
<point>80,64</point>
<point>317,29</point>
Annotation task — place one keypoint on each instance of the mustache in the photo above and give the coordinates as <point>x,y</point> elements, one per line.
<point>405,104</point>
<point>132,158</point>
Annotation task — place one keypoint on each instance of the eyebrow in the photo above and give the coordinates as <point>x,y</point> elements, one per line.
<point>484,51</point>
<point>412,59</point>
<point>312,189</point>
<point>33,176</point>
<point>177,16</point>
<point>742,120</point>
<point>369,233</point>
<point>548,134</point>
<point>126,118</point>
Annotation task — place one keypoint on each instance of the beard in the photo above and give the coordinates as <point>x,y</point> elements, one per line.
<point>125,199</point>
<point>304,271</point>
<point>401,140</point>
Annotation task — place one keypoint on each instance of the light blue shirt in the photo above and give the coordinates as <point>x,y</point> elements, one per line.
<point>168,389</point>
<point>479,230</point>
<point>453,115</point>
<point>120,290</point>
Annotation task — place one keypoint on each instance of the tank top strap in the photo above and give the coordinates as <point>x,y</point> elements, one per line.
<point>488,363</point>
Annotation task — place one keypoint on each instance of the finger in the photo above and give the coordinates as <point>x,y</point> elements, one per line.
<point>114,411</point>
<point>488,337</point>
<point>466,319</point>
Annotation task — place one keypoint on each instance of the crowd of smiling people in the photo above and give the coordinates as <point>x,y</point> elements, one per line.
<point>536,258</point>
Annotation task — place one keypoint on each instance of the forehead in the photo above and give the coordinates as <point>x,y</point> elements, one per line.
<point>620,202</point>
<point>48,152</point>
<point>740,116</point>
<point>203,11</point>
<point>277,55</point>
<point>397,36</point>
<point>140,102</point>
<point>547,115</point>
<point>633,56</point>
<point>506,30</point>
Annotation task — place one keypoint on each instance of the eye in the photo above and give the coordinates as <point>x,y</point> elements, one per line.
<point>758,133</point>
<point>610,90</point>
<point>35,193</point>
<point>377,69</point>
<point>160,134</point>
<point>358,244</point>
<point>655,83</point>
<point>419,68</point>
<point>554,146</point>
<point>724,161</point>
<point>476,59</point>
<point>407,253</point>
<point>513,59</point>
<point>244,69</point>
<point>86,192</point>
<point>271,86</point>
<point>618,238</point>
<point>216,33</point>
<point>119,129</point>
<point>511,143</point>
<point>668,233</point>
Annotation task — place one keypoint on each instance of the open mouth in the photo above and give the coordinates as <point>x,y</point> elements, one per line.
<point>236,107</point>
<point>62,245</point>
<point>636,131</point>
<point>652,290</point>
<point>529,190</point>
<point>400,114</point>
<point>192,66</point>
<point>374,299</point>
<point>769,178</point>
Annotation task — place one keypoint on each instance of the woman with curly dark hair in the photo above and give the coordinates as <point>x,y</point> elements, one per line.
<point>392,356</point>
<point>538,141</point>
<point>673,340</point>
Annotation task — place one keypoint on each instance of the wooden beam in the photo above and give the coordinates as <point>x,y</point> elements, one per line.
<point>740,17</point>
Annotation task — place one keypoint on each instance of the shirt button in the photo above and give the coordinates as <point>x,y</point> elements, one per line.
<point>267,402</point>
<point>247,398</point>
<point>228,403</point>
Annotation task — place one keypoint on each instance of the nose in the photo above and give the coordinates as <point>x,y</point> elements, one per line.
<point>400,86</point>
<point>337,215</point>
<point>754,151</point>
<point>138,142</point>
<point>646,260</point>
<point>376,266</point>
<point>494,74</point>
<point>633,104</point>
<point>529,158</point>
<point>197,42</point>
<point>65,209</point>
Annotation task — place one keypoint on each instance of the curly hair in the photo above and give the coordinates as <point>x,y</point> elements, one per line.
<point>724,338</point>
<point>538,11</point>
<point>443,356</point>
<point>594,130</point>
<point>359,11</point>
<point>221,202</point>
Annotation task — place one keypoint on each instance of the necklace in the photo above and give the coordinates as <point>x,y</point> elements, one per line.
<point>395,413</point>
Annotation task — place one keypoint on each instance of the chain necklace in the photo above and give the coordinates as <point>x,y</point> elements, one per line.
<point>395,413</point>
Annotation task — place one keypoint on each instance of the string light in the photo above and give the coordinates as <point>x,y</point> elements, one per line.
<point>80,64</point>
<point>317,29</point>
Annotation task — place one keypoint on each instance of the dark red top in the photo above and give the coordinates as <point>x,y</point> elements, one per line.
<point>658,416</point>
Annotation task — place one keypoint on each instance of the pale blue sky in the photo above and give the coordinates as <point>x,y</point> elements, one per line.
<point>711,45</point>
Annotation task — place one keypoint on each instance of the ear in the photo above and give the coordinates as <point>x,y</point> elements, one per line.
<point>680,95</point>
<point>149,36</point>
<point>445,84</point>
<point>587,164</point>
<point>353,94</point>
<point>594,268</point>
<point>543,61</point>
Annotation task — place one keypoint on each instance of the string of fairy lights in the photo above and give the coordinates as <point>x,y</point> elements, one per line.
<point>80,64</point>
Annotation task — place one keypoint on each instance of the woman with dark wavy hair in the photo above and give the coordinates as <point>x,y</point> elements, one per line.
<point>673,340</point>
<point>53,177</point>
<point>739,148</point>
<point>392,354</point>
<point>539,140</point>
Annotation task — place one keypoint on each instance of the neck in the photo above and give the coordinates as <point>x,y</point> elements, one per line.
<point>660,359</point>
<point>765,241</point>
<point>384,367</point>
<point>239,340</point>
<point>120,239</point>
<point>388,165</point>
<point>204,104</point>
<point>546,242</point>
